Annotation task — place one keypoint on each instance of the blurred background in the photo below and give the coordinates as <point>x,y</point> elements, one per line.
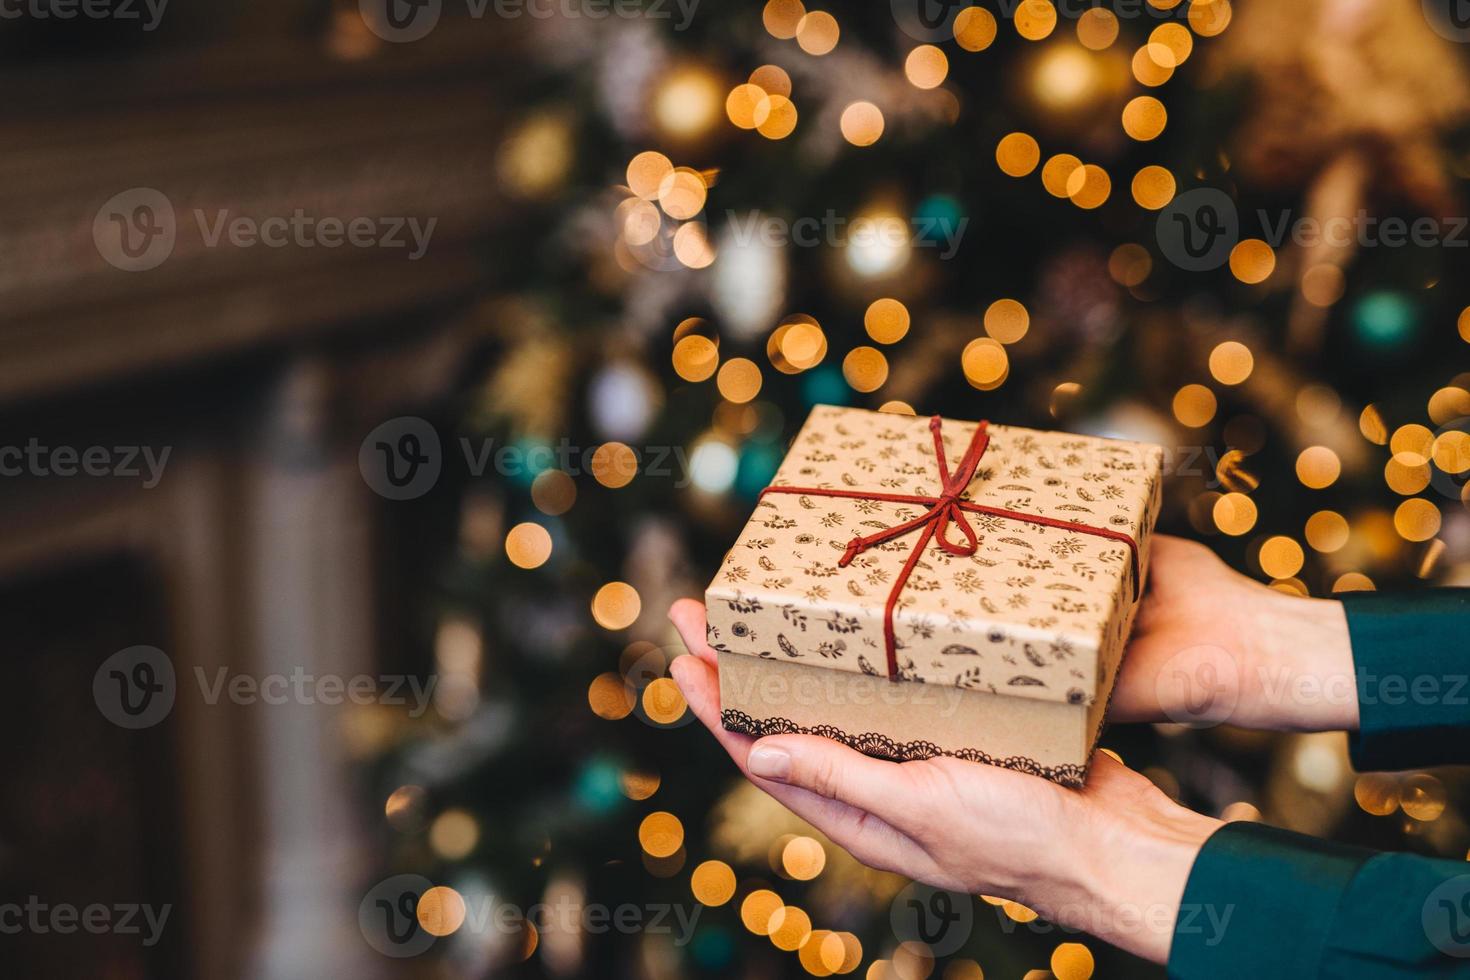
<point>376,374</point>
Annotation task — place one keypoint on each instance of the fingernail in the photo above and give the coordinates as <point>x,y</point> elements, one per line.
<point>769,762</point>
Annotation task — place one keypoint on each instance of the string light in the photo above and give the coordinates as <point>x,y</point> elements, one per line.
<point>974,28</point>
<point>1097,28</point>
<point>926,67</point>
<point>1252,260</point>
<point>1035,19</point>
<point>886,320</point>
<point>861,123</point>
<point>1144,118</point>
<point>1017,154</point>
<point>818,32</point>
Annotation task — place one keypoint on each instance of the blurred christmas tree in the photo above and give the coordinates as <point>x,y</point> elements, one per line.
<point>731,217</point>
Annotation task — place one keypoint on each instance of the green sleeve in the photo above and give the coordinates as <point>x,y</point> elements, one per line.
<point>1263,903</point>
<point>1411,656</point>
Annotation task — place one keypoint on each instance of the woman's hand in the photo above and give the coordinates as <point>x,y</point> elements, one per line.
<point>1111,859</point>
<point>1211,645</point>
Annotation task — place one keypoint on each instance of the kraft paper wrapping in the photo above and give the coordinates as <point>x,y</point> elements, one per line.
<point>1037,612</point>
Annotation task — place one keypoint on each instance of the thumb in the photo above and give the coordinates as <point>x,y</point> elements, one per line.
<point>837,772</point>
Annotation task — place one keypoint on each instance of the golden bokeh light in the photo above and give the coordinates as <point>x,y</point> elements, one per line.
<point>1176,38</point>
<point>1406,473</point>
<point>862,124</point>
<point>1451,451</point>
<point>782,18</point>
<point>964,969</point>
<point>985,363</point>
<point>803,858</point>
<point>1130,264</point>
<point>886,320</point>
<point>1449,404</point>
<point>528,545</point>
<point>1371,424</point>
<point>696,358</point>
<point>1377,793</point>
<point>1057,172</point>
<point>1281,556</point>
<point>1234,514</point>
<point>640,221</point>
<point>1327,531</point>
<point>1007,320</point>
<point>771,79</point>
<point>616,606</point>
<point>405,806</point>
<point>663,702</point>
<point>692,247</point>
<point>1097,28</point>
<point>1017,912</point>
<point>440,911</point>
<point>610,697</point>
<point>1017,153</point>
<point>614,464</point>
<point>1194,405</point>
<point>1353,582</point>
<point>1153,65</point>
<point>913,960</point>
<point>686,103</point>
<point>713,883</point>
<point>1072,961</point>
<point>926,67</point>
<point>781,122</point>
<point>1144,118</point>
<point>1153,187</point>
<point>974,28</point>
<point>896,407</point>
<point>817,33</point>
<point>739,379</point>
<point>660,834</point>
<point>757,909</point>
<point>1323,284</point>
<point>747,105</point>
<point>1231,362</point>
<point>682,194</point>
<point>1089,186</point>
<point>1252,260</point>
<point>1318,467</point>
<point>1422,796</point>
<point>639,785</point>
<point>553,492</point>
<point>1417,519</point>
<point>865,368</point>
<point>1035,19</point>
<point>1413,438</point>
<point>646,173</point>
<point>454,834</point>
<point>1208,18</point>
<point>789,927</point>
<point>1464,324</point>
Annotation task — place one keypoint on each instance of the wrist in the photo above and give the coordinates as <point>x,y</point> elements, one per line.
<point>1303,676</point>
<point>1130,886</point>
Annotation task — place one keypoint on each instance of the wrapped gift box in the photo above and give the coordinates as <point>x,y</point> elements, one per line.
<point>912,601</point>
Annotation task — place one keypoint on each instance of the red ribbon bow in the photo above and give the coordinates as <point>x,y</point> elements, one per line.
<point>948,508</point>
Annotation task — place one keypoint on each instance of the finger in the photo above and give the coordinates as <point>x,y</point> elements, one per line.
<point>868,838</point>
<point>688,619</point>
<point>833,770</point>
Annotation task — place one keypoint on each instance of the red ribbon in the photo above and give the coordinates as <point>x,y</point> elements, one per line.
<point>944,510</point>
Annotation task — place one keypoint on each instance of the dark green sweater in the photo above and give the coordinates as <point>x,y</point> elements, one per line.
<point>1263,903</point>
